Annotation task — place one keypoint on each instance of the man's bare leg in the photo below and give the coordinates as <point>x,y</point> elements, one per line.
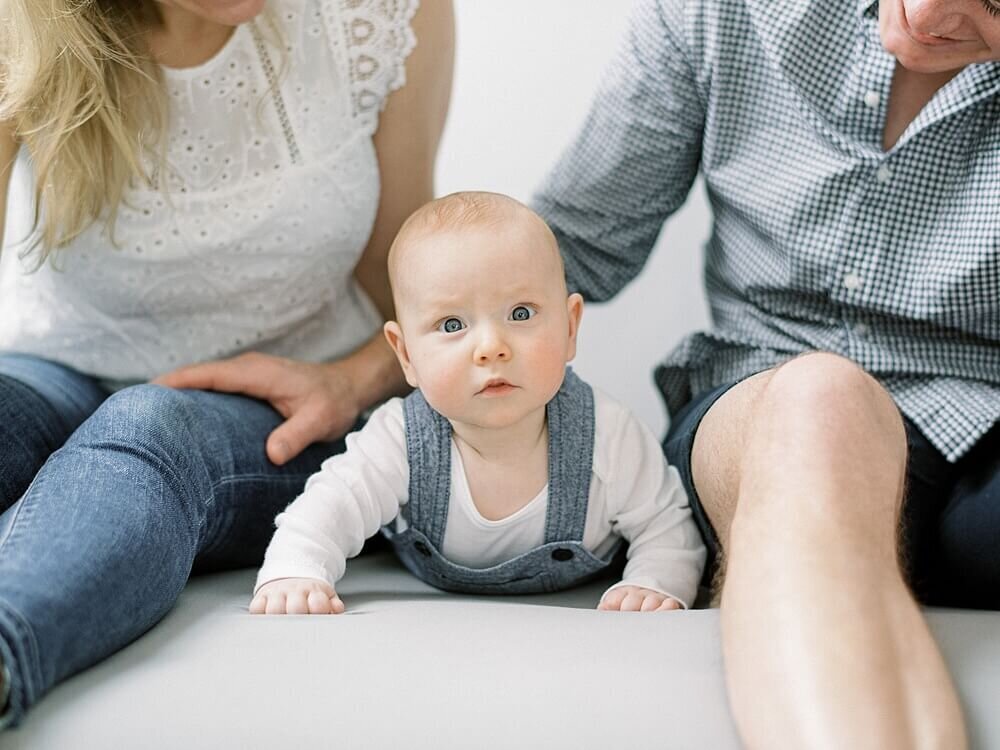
<point>800,470</point>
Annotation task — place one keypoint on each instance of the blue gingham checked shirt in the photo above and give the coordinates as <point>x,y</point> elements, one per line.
<point>821,240</point>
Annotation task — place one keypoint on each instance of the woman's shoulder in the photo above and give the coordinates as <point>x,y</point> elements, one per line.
<point>374,37</point>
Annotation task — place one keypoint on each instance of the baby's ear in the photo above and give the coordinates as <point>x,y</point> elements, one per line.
<point>394,335</point>
<point>574,308</point>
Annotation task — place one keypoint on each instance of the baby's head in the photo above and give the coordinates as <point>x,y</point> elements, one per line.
<point>484,325</point>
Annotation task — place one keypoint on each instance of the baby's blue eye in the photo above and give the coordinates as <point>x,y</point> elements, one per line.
<point>521,312</point>
<point>451,325</point>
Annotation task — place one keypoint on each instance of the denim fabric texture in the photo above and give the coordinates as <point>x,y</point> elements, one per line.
<point>562,561</point>
<point>114,499</point>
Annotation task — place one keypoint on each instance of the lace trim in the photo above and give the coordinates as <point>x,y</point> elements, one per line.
<point>279,100</point>
<point>378,38</point>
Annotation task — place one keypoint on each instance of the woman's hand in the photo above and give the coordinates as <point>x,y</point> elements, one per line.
<point>318,401</point>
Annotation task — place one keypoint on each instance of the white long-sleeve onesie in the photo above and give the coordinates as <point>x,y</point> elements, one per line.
<point>634,494</point>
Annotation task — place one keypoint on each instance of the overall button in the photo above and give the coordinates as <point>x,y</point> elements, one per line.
<point>562,555</point>
<point>852,281</point>
<point>422,548</point>
<point>872,99</point>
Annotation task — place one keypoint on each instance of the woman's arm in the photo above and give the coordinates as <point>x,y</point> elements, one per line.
<point>323,401</point>
<point>406,143</point>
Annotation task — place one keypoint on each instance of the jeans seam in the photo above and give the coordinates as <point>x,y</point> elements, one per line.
<point>23,694</point>
<point>18,507</point>
<point>236,478</point>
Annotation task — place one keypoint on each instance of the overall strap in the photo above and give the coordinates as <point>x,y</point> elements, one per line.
<point>428,449</point>
<point>570,417</point>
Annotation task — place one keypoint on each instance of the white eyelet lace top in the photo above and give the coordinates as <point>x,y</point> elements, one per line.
<point>270,196</point>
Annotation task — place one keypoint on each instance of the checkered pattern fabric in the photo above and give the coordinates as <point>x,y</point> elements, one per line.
<point>821,240</point>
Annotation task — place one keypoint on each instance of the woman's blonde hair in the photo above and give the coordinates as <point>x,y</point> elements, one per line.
<point>79,87</point>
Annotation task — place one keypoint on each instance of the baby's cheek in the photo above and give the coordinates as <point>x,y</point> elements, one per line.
<point>548,360</point>
<point>443,389</point>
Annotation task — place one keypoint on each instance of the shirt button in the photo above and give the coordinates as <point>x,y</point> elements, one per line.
<point>883,174</point>
<point>852,281</point>
<point>872,99</point>
<point>861,329</point>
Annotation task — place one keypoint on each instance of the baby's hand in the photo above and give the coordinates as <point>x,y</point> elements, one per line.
<point>296,596</point>
<point>637,599</point>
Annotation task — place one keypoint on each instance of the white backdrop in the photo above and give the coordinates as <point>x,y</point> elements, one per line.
<point>525,72</point>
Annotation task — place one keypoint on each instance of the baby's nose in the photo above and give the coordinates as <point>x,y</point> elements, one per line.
<point>492,346</point>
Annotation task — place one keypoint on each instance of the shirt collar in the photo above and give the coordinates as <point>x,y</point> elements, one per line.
<point>868,8</point>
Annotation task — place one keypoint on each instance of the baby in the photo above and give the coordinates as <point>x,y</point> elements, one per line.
<point>503,472</point>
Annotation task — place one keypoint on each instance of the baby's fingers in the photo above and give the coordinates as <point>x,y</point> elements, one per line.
<point>321,603</point>
<point>297,602</point>
<point>258,605</point>
<point>612,600</point>
<point>275,603</point>
<point>652,602</point>
<point>632,602</point>
<point>668,604</point>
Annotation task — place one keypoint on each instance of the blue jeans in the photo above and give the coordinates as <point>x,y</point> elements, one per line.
<point>110,500</point>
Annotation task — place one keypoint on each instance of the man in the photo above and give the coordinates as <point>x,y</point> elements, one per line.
<point>836,425</point>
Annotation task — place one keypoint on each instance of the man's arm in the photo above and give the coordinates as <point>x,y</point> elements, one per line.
<point>633,162</point>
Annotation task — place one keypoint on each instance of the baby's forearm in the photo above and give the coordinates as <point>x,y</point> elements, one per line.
<point>299,549</point>
<point>328,523</point>
<point>352,495</point>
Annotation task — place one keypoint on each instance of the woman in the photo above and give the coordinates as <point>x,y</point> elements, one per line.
<point>218,182</point>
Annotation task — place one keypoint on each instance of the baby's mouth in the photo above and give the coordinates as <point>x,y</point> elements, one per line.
<point>495,387</point>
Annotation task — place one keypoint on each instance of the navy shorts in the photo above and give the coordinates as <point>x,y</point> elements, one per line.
<point>950,526</point>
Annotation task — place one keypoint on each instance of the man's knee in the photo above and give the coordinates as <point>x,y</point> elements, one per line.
<point>826,451</point>
<point>834,404</point>
<point>802,437</point>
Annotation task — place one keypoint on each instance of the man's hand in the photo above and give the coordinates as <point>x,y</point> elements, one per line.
<point>637,599</point>
<point>296,596</point>
<point>318,401</point>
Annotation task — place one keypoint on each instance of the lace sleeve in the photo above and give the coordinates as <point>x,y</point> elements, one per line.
<point>377,39</point>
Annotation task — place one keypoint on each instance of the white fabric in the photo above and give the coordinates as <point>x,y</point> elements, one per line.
<point>253,241</point>
<point>454,671</point>
<point>633,495</point>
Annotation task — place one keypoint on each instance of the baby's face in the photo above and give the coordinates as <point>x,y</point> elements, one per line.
<point>487,326</point>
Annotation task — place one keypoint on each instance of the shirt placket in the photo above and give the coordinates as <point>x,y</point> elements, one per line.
<point>855,267</point>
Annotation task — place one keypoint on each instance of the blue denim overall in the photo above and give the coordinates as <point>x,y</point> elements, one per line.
<point>561,561</point>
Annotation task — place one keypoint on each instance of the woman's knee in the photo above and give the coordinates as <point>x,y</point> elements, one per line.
<point>144,416</point>
<point>154,429</point>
